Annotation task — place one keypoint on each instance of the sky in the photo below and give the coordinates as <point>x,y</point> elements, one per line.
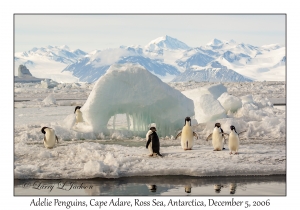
<point>101,31</point>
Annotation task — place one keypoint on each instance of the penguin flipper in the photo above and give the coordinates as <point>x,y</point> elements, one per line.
<point>195,134</point>
<point>209,137</point>
<point>179,134</point>
<point>44,138</point>
<point>56,138</point>
<point>241,132</point>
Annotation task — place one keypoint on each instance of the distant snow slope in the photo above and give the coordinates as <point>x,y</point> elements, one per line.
<point>214,73</point>
<point>165,56</point>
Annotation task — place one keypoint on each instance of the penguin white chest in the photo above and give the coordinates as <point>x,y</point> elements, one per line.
<point>79,116</point>
<point>217,139</point>
<point>233,142</point>
<point>49,139</point>
<point>187,137</point>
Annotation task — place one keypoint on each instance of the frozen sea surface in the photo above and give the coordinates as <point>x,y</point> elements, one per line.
<point>82,155</point>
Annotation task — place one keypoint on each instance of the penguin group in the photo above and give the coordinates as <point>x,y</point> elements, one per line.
<point>218,139</point>
<point>187,136</point>
<point>50,137</point>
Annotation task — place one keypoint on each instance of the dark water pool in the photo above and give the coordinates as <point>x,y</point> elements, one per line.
<point>156,186</point>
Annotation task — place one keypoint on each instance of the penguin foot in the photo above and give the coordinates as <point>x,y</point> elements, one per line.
<point>151,155</point>
<point>230,153</point>
<point>236,153</point>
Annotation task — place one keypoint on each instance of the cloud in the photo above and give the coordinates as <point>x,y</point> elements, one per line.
<point>109,56</point>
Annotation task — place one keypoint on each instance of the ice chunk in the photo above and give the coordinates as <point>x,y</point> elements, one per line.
<point>94,167</point>
<point>247,99</point>
<point>131,89</point>
<point>230,102</point>
<point>49,100</point>
<point>48,83</point>
<point>208,109</point>
<point>215,90</point>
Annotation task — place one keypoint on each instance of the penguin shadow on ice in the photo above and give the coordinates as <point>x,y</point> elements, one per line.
<point>49,137</point>
<point>153,144</point>
<point>234,140</point>
<point>218,138</point>
<point>187,135</point>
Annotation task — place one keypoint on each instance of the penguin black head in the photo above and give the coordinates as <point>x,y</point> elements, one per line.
<point>232,128</point>
<point>77,107</point>
<point>43,130</point>
<point>218,125</point>
<point>187,119</point>
<point>153,129</point>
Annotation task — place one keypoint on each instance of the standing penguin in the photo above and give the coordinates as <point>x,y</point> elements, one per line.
<point>153,142</point>
<point>187,135</point>
<point>49,137</point>
<point>217,137</point>
<point>234,140</point>
<point>78,114</point>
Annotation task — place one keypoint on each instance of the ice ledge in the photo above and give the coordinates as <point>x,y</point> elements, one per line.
<point>91,160</point>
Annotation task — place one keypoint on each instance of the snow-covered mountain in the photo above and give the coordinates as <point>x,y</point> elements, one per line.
<point>48,62</point>
<point>165,57</point>
<point>93,66</point>
<point>213,73</point>
<point>165,42</point>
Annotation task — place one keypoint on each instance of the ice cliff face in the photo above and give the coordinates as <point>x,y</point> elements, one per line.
<point>131,89</point>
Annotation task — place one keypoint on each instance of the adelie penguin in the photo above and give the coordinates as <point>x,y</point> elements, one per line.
<point>187,135</point>
<point>153,142</point>
<point>234,140</point>
<point>78,114</point>
<point>49,137</point>
<point>217,137</point>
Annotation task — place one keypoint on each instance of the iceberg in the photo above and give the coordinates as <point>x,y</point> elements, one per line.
<point>132,90</point>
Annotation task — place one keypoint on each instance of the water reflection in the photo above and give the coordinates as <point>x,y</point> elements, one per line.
<point>232,188</point>
<point>152,188</point>
<point>218,187</point>
<point>155,186</point>
<point>188,188</point>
